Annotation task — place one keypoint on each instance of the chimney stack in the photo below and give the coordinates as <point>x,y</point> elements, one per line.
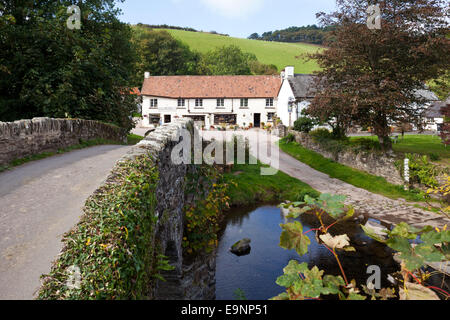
<point>147,75</point>
<point>289,72</point>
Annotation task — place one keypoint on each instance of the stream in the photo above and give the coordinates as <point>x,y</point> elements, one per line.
<point>255,274</point>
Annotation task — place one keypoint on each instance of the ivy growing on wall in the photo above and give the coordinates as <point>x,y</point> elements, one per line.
<point>208,193</point>
<point>113,244</point>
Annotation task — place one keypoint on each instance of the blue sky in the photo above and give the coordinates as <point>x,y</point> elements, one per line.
<point>238,18</point>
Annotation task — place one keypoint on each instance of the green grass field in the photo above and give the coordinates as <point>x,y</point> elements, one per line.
<point>277,53</point>
<point>420,144</point>
<point>251,187</point>
<point>347,174</point>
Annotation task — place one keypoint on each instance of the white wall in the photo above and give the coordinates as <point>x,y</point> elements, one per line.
<point>245,116</point>
<point>433,126</point>
<point>283,101</point>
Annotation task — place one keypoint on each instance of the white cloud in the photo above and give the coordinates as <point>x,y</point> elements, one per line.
<point>234,8</point>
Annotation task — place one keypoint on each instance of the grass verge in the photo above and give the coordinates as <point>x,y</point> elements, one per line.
<point>421,144</point>
<point>134,139</point>
<point>350,175</point>
<point>251,187</point>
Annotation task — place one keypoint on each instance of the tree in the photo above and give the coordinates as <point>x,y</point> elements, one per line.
<point>441,86</point>
<point>161,54</point>
<point>259,68</point>
<point>46,69</point>
<point>371,77</point>
<point>231,60</point>
<point>226,60</point>
<point>254,36</point>
<point>304,124</point>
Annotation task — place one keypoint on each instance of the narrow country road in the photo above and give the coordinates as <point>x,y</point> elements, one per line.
<point>39,202</point>
<point>374,205</point>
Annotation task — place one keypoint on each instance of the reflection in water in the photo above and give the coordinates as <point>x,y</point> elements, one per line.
<point>257,272</point>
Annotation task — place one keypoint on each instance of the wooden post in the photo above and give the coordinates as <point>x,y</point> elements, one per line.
<point>406,174</point>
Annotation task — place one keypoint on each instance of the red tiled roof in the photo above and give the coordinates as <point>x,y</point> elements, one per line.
<point>212,86</point>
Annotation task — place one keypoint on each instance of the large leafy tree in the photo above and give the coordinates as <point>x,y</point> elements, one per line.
<point>161,54</point>
<point>46,69</point>
<point>231,60</point>
<point>370,77</point>
<point>226,60</point>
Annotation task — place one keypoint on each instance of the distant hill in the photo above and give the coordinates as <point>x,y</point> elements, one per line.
<point>306,34</point>
<point>277,53</point>
<point>165,26</point>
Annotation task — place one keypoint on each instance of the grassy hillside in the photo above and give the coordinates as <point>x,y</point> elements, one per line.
<point>277,53</point>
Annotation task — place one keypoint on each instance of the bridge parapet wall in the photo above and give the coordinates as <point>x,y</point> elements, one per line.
<point>25,138</point>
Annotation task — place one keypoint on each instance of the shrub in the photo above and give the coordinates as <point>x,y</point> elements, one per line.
<point>321,133</point>
<point>365,144</point>
<point>434,157</point>
<point>289,138</point>
<point>203,214</point>
<point>304,124</point>
<point>421,170</point>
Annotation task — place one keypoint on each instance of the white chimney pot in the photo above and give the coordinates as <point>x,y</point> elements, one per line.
<point>147,75</point>
<point>289,71</point>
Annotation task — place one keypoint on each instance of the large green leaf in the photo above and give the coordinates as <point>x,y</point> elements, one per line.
<point>399,244</point>
<point>404,230</point>
<point>292,237</point>
<point>295,268</point>
<point>287,280</point>
<point>297,212</point>
<point>412,261</point>
<point>429,253</point>
<point>433,237</point>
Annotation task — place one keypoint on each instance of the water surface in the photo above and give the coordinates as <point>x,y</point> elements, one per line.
<point>257,272</point>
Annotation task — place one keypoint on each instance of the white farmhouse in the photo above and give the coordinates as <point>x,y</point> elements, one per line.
<point>434,116</point>
<point>295,95</point>
<point>211,100</point>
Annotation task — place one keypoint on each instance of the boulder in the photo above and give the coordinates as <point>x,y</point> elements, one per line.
<point>241,248</point>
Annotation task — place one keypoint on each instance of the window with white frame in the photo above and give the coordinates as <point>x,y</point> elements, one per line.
<point>198,103</point>
<point>220,102</point>
<point>153,103</point>
<point>181,102</point>
<point>270,116</point>
<point>269,102</point>
<point>244,103</point>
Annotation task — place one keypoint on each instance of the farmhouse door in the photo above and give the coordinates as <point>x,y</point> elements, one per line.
<point>257,120</point>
